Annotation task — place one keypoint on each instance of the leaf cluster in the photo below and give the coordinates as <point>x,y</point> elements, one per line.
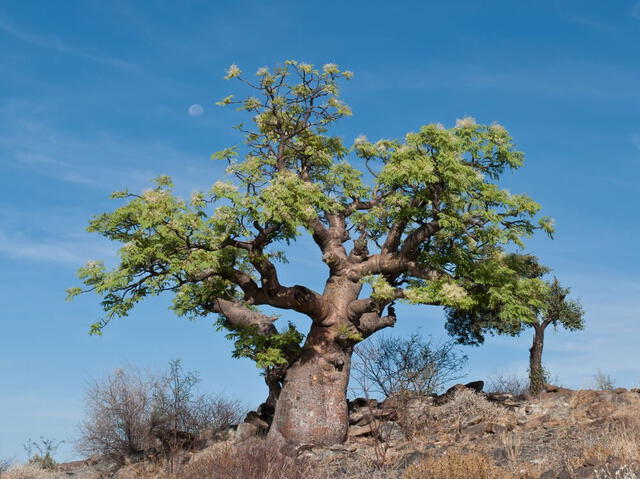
<point>521,299</point>
<point>265,350</point>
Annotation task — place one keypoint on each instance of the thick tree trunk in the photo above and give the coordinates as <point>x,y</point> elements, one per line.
<point>536,372</point>
<point>312,406</point>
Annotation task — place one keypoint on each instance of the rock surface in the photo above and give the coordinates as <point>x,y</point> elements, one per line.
<point>560,434</point>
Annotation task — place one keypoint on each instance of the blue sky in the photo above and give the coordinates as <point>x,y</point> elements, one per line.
<point>94,96</point>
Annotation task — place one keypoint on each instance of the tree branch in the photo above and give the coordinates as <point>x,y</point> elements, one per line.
<point>331,242</point>
<point>412,242</point>
<point>240,316</point>
<point>371,322</point>
<point>392,264</point>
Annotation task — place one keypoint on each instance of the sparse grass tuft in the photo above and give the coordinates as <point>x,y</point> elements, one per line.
<point>456,466</point>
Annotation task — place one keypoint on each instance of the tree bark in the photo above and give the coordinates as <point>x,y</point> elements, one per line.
<point>312,406</point>
<point>536,372</point>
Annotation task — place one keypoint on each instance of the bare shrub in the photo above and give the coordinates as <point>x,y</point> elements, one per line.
<point>129,413</point>
<point>177,405</point>
<point>604,382</point>
<point>180,414</point>
<point>217,412</point>
<point>508,383</point>
<point>456,466</point>
<point>389,365</point>
<point>254,460</point>
<point>4,465</point>
<point>28,471</point>
<point>41,452</point>
<point>118,419</point>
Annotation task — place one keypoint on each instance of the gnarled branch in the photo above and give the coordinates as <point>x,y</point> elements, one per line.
<point>371,322</point>
<point>240,316</point>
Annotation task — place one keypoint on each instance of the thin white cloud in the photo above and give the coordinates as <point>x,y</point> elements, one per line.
<point>567,78</point>
<point>595,25</point>
<point>52,250</point>
<point>55,44</point>
<point>104,161</point>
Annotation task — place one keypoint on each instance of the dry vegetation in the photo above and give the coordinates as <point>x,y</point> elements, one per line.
<point>28,471</point>
<point>129,413</point>
<point>456,466</point>
<point>468,403</point>
<point>462,434</point>
<point>256,460</point>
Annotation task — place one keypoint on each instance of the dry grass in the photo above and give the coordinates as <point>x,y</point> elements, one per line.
<point>623,472</point>
<point>256,460</point>
<point>621,440</point>
<point>467,403</point>
<point>27,471</point>
<point>457,466</point>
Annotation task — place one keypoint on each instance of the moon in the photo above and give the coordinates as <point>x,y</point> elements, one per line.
<point>196,110</point>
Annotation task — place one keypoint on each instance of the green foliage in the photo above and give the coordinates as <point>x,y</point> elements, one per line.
<point>346,332</point>
<point>266,350</point>
<point>381,289</point>
<point>511,295</point>
<point>291,173</point>
<point>538,377</point>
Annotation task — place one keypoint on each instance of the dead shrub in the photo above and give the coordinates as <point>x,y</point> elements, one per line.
<point>508,383</point>
<point>413,365</point>
<point>254,460</point>
<point>118,419</point>
<point>456,466</point>
<point>130,413</point>
<point>604,382</point>
<point>41,453</point>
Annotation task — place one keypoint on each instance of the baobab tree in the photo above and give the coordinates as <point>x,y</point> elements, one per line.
<point>551,307</point>
<point>419,219</point>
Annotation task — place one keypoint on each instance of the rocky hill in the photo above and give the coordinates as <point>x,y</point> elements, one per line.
<point>560,434</point>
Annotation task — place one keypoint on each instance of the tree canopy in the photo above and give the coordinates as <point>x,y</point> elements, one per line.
<point>421,219</point>
<point>549,305</point>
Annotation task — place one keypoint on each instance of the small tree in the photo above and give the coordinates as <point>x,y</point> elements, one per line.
<point>549,305</point>
<point>390,365</point>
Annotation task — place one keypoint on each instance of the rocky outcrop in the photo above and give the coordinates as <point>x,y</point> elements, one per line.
<point>560,434</point>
